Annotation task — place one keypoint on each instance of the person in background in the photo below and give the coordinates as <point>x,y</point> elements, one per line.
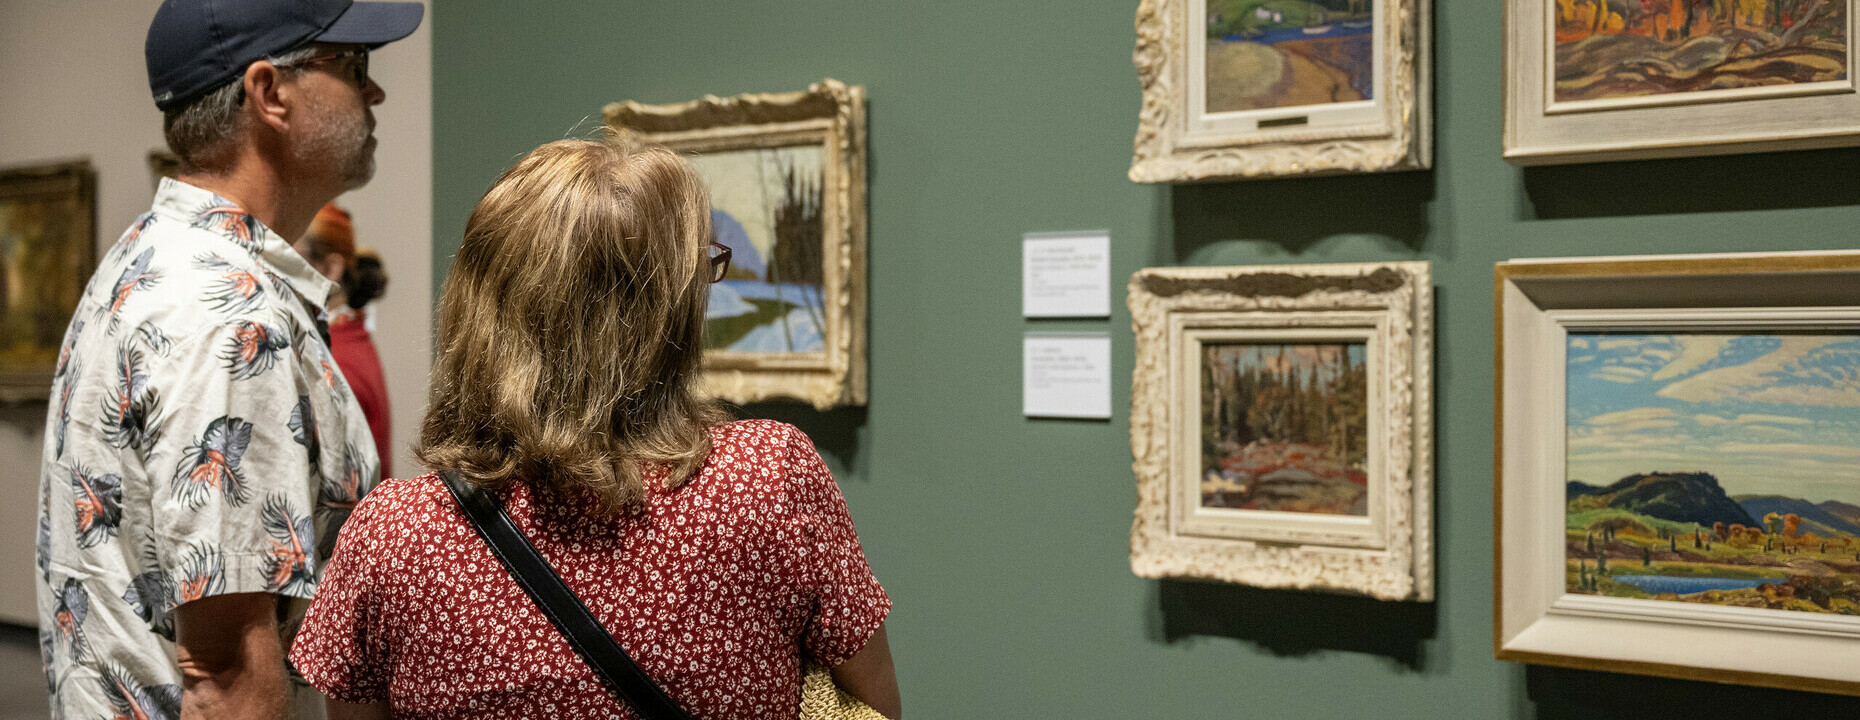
<point>360,278</point>
<point>719,554</point>
<point>195,451</point>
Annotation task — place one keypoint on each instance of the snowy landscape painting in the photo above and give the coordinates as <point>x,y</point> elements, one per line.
<point>1715,468</point>
<point>766,207</point>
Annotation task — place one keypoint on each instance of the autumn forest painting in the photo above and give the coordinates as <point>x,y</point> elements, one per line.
<point>1608,49</point>
<point>1285,427</point>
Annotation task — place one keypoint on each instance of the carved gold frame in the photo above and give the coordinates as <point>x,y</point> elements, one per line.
<point>1387,554</point>
<point>1175,144</point>
<point>831,114</point>
<point>1536,302</point>
<point>76,184</point>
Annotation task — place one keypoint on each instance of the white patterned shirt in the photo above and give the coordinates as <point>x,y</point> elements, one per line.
<point>200,441</point>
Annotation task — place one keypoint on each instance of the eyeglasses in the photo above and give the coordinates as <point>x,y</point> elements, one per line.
<point>360,66</point>
<point>719,261</point>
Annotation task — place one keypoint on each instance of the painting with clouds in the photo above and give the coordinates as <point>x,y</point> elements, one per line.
<point>1715,468</point>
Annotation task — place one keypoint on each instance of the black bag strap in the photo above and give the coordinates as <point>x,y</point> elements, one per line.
<point>585,634</point>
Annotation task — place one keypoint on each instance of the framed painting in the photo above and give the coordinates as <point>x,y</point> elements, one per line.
<point>48,239</point>
<point>1269,88</point>
<point>1281,423</point>
<point>1601,80</point>
<point>786,174</point>
<point>1677,492</point>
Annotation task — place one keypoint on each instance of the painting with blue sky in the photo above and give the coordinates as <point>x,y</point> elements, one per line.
<point>1716,468</point>
<point>766,207</point>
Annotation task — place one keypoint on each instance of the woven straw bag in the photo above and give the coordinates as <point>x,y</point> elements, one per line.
<point>822,700</point>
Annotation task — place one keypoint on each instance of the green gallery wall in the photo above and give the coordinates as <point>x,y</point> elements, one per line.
<point>1003,540</point>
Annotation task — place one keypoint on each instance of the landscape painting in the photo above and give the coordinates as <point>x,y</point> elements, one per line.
<point>1285,427</point>
<point>1715,468</point>
<point>766,207</point>
<point>46,219</point>
<point>1607,49</point>
<point>1286,53</point>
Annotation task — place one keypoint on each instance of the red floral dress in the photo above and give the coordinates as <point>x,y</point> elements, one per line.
<point>715,588</point>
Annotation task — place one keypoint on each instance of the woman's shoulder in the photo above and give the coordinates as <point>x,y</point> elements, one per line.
<point>398,502</point>
<point>754,439</point>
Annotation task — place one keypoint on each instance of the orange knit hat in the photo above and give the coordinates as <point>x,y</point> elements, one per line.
<point>333,228</point>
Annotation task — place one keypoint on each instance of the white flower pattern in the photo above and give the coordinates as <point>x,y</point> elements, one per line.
<point>716,588</point>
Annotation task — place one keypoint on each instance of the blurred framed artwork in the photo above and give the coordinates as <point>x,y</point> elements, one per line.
<point>1269,88</point>
<point>48,230</point>
<point>786,174</point>
<point>1603,80</point>
<point>1675,474</point>
<point>1281,421</point>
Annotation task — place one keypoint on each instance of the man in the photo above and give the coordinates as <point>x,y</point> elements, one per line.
<point>200,440</point>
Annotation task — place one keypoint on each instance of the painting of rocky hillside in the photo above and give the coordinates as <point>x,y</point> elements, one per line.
<point>1715,468</point>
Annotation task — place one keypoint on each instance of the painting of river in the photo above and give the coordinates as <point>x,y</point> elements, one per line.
<point>766,207</point>
<point>1608,49</point>
<point>1265,54</point>
<point>1715,468</point>
<point>1285,427</point>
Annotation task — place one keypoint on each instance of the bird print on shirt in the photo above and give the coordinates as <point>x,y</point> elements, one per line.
<point>147,594</point>
<point>201,573</point>
<point>98,505</point>
<point>289,568</point>
<point>135,278</point>
<point>234,290</point>
<point>132,701</point>
<point>130,410</point>
<point>212,463</point>
<point>71,605</point>
<point>252,349</point>
<point>230,221</point>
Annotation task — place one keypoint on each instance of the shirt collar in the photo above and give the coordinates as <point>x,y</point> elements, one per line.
<point>201,208</point>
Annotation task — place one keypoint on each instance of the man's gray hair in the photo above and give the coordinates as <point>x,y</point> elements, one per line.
<point>202,133</point>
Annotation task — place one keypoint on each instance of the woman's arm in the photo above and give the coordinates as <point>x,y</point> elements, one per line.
<point>869,676</point>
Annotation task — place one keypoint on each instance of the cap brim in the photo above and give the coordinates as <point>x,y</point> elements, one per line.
<point>374,23</point>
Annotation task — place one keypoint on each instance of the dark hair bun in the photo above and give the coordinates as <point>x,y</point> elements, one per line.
<point>364,280</point>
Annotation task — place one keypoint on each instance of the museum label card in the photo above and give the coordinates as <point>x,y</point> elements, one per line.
<point>1066,376</point>
<point>1066,274</point>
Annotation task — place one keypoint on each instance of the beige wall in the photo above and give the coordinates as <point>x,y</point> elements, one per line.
<point>72,85</point>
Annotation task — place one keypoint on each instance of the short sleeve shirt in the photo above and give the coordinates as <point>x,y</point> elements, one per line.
<point>716,588</point>
<point>199,441</point>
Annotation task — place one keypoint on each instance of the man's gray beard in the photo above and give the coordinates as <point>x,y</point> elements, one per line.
<point>340,139</point>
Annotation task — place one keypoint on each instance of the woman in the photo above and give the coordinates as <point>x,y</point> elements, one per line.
<point>720,554</point>
<point>329,245</point>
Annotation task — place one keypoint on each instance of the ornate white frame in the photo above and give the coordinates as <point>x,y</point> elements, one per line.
<point>1388,554</point>
<point>1539,302</point>
<point>828,113</point>
<point>1177,142</point>
<point>1541,131</point>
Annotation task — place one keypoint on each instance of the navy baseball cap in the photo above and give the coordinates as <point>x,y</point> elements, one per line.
<point>196,46</point>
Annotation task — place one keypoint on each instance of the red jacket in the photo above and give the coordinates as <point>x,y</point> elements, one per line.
<point>361,365</point>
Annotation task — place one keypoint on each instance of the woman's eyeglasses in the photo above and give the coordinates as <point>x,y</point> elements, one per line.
<point>719,261</point>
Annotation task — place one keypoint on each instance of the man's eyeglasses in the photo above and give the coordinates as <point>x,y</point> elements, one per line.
<point>359,67</point>
<point>719,261</point>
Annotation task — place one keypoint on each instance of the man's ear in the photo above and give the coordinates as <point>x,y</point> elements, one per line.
<point>267,95</point>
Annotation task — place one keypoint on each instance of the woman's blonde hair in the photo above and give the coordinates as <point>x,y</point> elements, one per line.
<point>571,326</point>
